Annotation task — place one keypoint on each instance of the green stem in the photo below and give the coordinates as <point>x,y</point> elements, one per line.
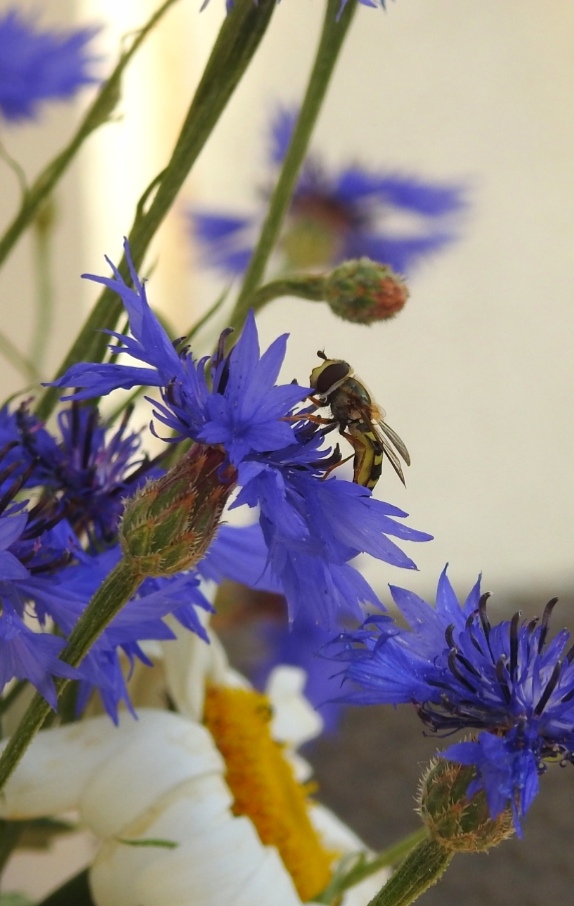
<point>303,287</point>
<point>234,48</point>
<point>75,892</point>
<point>363,867</point>
<point>97,114</point>
<point>17,359</point>
<point>420,870</point>
<point>119,587</point>
<point>43,232</point>
<point>330,44</point>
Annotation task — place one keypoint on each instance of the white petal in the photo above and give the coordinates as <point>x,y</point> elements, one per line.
<point>295,721</point>
<point>170,750</point>
<point>69,766</point>
<point>189,663</point>
<point>220,860</point>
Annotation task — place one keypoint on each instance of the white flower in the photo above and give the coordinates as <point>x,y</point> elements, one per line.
<point>154,791</point>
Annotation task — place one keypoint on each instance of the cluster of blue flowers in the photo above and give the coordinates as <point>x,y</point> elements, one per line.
<point>58,550</point>
<point>337,216</point>
<point>311,529</point>
<point>508,683</point>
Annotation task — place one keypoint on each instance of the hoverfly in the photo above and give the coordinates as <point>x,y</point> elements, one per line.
<point>359,419</point>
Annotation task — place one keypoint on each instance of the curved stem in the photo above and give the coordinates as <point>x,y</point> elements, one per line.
<point>119,587</point>
<point>234,48</point>
<point>330,44</point>
<point>364,866</point>
<point>420,870</point>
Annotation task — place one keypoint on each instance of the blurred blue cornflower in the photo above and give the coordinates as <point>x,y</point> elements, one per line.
<point>40,64</point>
<point>508,681</point>
<point>352,213</point>
<point>311,528</point>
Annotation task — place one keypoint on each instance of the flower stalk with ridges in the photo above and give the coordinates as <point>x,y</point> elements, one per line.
<point>332,38</point>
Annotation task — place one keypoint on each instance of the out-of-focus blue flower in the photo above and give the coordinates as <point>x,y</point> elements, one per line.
<point>508,681</point>
<point>37,64</point>
<point>312,528</point>
<point>356,212</point>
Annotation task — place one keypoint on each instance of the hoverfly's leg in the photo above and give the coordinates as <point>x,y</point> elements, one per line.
<point>335,465</point>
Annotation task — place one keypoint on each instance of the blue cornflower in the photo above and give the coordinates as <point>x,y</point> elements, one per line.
<point>312,529</point>
<point>508,681</point>
<point>39,64</point>
<point>88,465</point>
<point>30,556</point>
<point>337,216</point>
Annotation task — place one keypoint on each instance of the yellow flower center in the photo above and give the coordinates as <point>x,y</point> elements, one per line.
<point>264,786</point>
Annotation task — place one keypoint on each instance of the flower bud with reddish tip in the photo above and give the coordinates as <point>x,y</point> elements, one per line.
<point>169,524</point>
<point>455,821</point>
<point>364,291</point>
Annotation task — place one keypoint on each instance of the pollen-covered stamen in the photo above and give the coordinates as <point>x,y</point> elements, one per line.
<point>545,622</point>
<point>549,689</point>
<point>513,640</point>
<point>501,669</point>
<point>485,622</point>
<point>453,658</point>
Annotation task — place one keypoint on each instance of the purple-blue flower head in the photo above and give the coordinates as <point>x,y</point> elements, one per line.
<point>40,64</point>
<point>29,561</point>
<point>355,212</point>
<point>312,528</point>
<point>87,465</point>
<point>508,683</point>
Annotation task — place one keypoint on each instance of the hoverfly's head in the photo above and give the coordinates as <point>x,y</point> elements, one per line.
<point>329,376</point>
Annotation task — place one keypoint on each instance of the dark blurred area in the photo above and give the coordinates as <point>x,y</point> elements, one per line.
<point>368,773</point>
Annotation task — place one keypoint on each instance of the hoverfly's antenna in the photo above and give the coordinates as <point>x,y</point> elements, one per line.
<point>322,355</point>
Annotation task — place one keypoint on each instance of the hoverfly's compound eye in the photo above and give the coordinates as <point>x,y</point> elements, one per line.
<point>327,377</point>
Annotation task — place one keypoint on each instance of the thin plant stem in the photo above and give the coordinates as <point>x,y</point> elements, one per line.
<point>332,37</point>
<point>420,870</point>
<point>238,39</point>
<point>43,233</point>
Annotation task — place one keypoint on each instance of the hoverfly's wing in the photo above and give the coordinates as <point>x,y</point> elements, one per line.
<point>395,440</point>
<point>391,442</point>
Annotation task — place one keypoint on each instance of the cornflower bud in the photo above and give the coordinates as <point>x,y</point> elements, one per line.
<point>168,525</point>
<point>364,291</point>
<point>457,822</point>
